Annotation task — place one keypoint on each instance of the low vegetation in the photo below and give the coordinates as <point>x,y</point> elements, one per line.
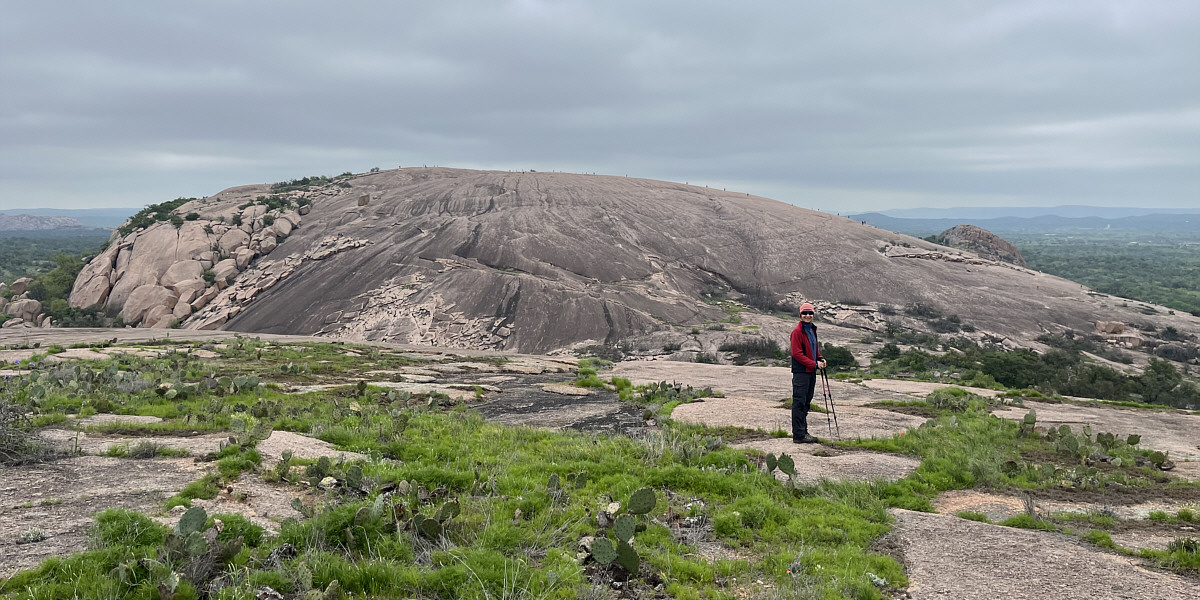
<point>449,505</point>
<point>1063,370</point>
<point>1152,267</point>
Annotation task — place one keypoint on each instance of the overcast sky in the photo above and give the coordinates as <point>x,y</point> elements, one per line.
<point>838,105</point>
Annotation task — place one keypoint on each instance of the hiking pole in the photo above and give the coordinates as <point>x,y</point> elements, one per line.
<point>825,391</point>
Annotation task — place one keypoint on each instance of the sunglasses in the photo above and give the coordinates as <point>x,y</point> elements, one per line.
<point>806,314</point>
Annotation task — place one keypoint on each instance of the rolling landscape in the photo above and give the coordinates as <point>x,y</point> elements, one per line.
<point>502,300</point>
<point>464,383</point>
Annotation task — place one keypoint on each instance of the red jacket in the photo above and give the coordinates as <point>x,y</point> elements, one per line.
<point>804,356</point>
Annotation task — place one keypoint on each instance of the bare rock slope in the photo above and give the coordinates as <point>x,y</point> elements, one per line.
<point>982,242</point>
<point>541,261</point>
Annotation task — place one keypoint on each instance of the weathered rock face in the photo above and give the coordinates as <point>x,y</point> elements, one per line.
<point>156,275</point>
<point>538,262</point>
<point>982,242</point>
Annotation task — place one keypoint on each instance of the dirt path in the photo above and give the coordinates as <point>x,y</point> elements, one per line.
<point>949,557</point>
<point>1166,430</point>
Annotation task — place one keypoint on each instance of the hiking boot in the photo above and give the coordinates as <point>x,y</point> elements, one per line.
<point>807,439</point>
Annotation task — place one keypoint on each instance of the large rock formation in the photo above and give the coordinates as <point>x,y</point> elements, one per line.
<point>542,261</point>
<point>154,277</point>
<point>982,242</point>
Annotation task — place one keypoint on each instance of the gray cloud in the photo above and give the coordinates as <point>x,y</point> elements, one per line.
<point>853,105</point>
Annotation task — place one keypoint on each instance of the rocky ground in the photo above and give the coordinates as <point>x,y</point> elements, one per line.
<point>946,556</point>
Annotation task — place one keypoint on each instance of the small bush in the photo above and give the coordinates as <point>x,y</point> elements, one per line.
<point>889,351</point>
<point>755,348</point>
<point>838,358</point>
<point>950,398</point>
<point>1026,521</point>
<point>922,311</point>
<point>974,516</point>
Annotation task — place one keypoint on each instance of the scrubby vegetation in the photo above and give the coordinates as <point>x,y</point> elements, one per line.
<point>152,214</point>
<point>1163,268</point>
<point>1063,370</point>
<point>30,257</point>
<point>449,505</point>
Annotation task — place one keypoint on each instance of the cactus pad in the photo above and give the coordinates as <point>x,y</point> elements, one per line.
<point>771,462</point>
<point>603,551</point>
<point>448,511</point>
<point>642,501</point>
<point>624,528</point>
<point>192,521</point>
<point>787,465</point>
<point>628,558</point>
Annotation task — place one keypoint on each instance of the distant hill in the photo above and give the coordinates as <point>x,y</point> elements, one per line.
<point>1159,222</point>
<point>87,217</point>
<point>37,223</point>
<point>996,212</point>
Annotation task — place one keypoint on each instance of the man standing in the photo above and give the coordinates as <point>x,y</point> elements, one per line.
<point>806,359</point>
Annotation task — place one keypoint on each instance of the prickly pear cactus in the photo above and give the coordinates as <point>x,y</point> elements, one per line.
<point>603,551</point>
<point>553,484</point>
<point>642,501</point>
<point>448,511</point>
<point>430,528</point>
<point>192,521</point>
<point>1133,439</point>
<point>624,527</point>
<point>787,465</point>
<point>628,558</point>
<point>771,462</point>
<point>354,477</point>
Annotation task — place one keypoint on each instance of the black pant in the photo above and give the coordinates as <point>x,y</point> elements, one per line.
<point>803,385</point>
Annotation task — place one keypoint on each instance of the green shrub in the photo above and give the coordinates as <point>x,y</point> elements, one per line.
<point>838,358</point>
<point>753,348</point>
<point>950,398</point>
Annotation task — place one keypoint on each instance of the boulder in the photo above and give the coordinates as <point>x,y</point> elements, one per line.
<point>182,310</point>
<point>3,287</point>
<point>1110,327</point>
<point>364,199</point>
<point>304,210</point>
<point>250,213</point>
<point>24,309</point>
<point>3,305</point>
<point>15,322</point>
<point>94,281</point>
<point>205,298</point>
<point>182,271</point>
<point>189,290</point>
<point>159,317</point>
<point>225,270</point>
<point>19,286</point>
<point>243,258</point>
<point>267,245</point>
<point>232,241</point>
<point>194,242</point>
<point>124,287</point>
<point>145,299</point>
<point>283,226</point>
<point>124,255</point>
<point>46,322</point>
